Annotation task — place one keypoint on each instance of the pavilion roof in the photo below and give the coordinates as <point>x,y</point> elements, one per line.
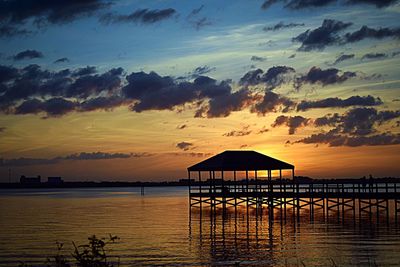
<point>240,160</point>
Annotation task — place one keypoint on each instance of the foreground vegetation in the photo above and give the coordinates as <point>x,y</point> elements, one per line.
<point>92,254</point>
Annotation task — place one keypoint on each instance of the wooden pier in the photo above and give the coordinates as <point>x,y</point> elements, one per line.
<point>210,188</point>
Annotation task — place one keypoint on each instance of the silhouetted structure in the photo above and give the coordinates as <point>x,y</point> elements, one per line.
<point>29,180</point>
<point>54,180</point>
<point>338,195</point>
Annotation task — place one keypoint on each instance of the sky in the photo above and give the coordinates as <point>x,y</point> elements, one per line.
<point>141,90</point>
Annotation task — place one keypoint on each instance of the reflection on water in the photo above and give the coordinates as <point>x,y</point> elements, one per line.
<point>157,229</point>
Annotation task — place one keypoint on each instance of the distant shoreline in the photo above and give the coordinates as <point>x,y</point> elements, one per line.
<point>92,184</point>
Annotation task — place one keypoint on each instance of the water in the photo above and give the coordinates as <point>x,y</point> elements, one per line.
<point>156,229</point>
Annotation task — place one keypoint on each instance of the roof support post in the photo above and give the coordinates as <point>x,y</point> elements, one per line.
<point>200,181</point>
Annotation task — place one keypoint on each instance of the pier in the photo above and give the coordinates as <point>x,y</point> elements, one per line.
<point>245,178</point>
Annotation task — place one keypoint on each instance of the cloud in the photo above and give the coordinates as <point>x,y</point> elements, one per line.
<point>243,132</point>
<point>102,103</point>
<point>273,102</point>
<point>20,162</point>
<point>357,121</point>
<point>61,60</point>
<point>196,11</point>
<point>53,107</point>
<point>84,71</point>
<point>28,54</point>
<point>343,57</point>
<point>335,102</point>
<point>374,56</point>
<point>292,122</point>
<point>144,16</point>
<point>14,14</point>
<point>307,4</point>
<point>334,140</point>
<point>324,77</point>
<point>201,70</point>
<point>185,146</point>
<point>377,3</point>
<point>366,32</point>
<point>97,156</point>
<point>7,31</point>
<point>200,23</point>
<point>274,77</point>
<point>319,38</point>
<point>298,4</point>
<point>281,25</point>
<point>258,59</point>
<point>32,82</point>
<point>223,105</point>
<point>154,92</point>
<point>2,129</point>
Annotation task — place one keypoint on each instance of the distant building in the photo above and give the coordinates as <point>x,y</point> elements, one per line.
<point>186,180</point>
<point>54,180</point>
<point>29,180</point>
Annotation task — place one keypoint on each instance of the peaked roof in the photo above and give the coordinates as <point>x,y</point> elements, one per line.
<point>240,160</point>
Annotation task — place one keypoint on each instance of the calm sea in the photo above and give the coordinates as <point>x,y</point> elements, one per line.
<point>156,229</point>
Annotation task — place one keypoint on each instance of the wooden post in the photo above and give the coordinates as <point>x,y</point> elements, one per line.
<point>190,197</point>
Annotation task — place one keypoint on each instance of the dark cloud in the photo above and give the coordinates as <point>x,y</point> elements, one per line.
<point>377,3</point>
<point>2,129</point>
<point>200,23</point>
<point>292,122</point>
<point>61,60</point>
<point>19,162</point>
<point>273,102</point>
<point>97,156</point>
<point>292,56</point>
<point>223,105</point>
<point>328,120</point>
<point>374,56</point>
<point>366,32</point>
<point>7,31</point>
<point>53,107</point>
<point>144,16</point>
<point>324,77</point>
<point>395,53</point>
<point>32,83</point>
<point>298,4</point>
<point>102,103</point>
<point>196,11</point>
<point>28,54</point>
<point>14,14</point>
<point>154,92</point>
<point>281,25</point>
<point>84,71</point>
<point>243,132</point>
<point>57,12</point>
<point>258,59</point>
<point>274,77</point>
<point>7,73</point>
<point>343,58</point>
<point>319,38</point>
<point>335,102</point>
<point>185,146</point>
<point>333,139</point>
<point>307,4</point>
<point>357,121</point>
<point>201,70</point>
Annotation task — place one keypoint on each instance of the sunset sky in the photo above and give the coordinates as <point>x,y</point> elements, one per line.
<point>140,90</point>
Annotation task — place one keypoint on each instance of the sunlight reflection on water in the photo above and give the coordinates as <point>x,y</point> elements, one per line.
<point>156,229</point>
